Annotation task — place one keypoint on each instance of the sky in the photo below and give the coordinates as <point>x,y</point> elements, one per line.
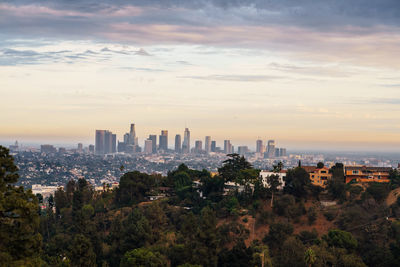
<point>309,74</point>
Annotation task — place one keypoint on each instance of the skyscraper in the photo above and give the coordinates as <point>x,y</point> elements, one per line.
<point>186,141</point>
<point>227,147</point>
<point>213,146</point>
<point>178,143</point>
<point>153,139</point>
<point>282,152</point>
<point>242,150</point>
<point>80,147</point>
<point>99,142</point>
<point>148,146</point>
<point>198,146</point>
<point>105,142</point>
<point>259,146</point>
<point>113,143</point>
<point>133,140</point>
<point>271,148</point>
<point>163,140</point>
<point>207,144</point>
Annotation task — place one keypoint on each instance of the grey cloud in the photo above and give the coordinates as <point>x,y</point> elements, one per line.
<point>236,78</point>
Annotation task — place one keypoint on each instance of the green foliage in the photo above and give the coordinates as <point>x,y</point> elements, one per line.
<point>81,252</point>
<point>287,206</point>
<point>133,188</point>
<point>278,233</point>
<point>308,237</point>
<point>309,257</point>
<point>297,181</point>
<point>20,241</point>
<point>231,167</point>
<point>336,186</point>
<point>341,239</point>
<point>330,215</point>
<point>320,165</point>
<point>292,253</point>
<point>394,177</point>
<point>379,191</point>
<point>143,257</point>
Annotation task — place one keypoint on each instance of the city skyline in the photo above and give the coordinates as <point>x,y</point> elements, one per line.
<point>313,75</point>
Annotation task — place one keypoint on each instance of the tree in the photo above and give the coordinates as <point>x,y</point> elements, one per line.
<point>81,252</point>
<point>309,257</point>
<point>143,257</point>
<point>20,241</point>
<point>133,187</point>
<point>296,182</point>
<point>379,191</point>
<point>320,165</point>
<point>232,166</point>
<point>341,239</point>
<point>273,183</point>
<point>336,186</point>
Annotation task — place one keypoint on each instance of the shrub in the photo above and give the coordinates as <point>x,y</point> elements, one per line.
<point>330,215</point>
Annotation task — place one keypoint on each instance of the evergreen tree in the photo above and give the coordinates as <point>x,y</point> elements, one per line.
<point>20,241</point>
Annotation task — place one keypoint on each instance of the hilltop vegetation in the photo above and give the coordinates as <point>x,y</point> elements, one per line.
<point>197,222</point>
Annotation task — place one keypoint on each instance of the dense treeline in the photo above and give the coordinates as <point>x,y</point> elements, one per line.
<point>197,222</point>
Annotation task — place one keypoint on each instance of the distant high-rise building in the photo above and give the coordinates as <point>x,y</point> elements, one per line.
<point>213,146</point>
<point>153,139</point>
<point>198,146</point>
<point>178,143</point>
<point>80,147</point>
<point>207,144</point>
<point>271,148</point>
<point>122,146</point>
<point>126,138</point>
<point>113,143</point>
<point>277,152</point>
<point>163,140</point>
<point>62,150</point>
<point>242,150</point>
<point>282,152</point>
<point>133,140</point>
<point>105,142</point>
<point>91,149</point>
<point>148,146</point>
<point>259,146</point>
<point>100,135</point>
<point>227,147</point>
<point>186,141</point>
<point>47,149</point>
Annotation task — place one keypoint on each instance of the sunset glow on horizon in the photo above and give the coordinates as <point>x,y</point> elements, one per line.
<point>306,74</point>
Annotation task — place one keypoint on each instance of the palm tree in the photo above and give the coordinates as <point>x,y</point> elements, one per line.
<point>309,257</point>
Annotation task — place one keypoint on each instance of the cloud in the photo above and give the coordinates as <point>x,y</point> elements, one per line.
<point>357,32</point>
<point>142,52</point>
<point>327,71</point>
<point>236,78</point>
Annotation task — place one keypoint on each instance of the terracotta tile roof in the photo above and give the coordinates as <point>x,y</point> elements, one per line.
<point>309,168</point>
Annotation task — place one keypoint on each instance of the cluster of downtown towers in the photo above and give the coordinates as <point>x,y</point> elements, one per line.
<point>106,142</point>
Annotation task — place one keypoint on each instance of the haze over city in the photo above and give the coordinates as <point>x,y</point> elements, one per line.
<point>311,75</point>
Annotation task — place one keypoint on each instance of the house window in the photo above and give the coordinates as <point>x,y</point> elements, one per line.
<point>355,172</point>
<point>323,171</point>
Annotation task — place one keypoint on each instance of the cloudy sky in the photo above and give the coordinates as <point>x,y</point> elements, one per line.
<point>310,74</point>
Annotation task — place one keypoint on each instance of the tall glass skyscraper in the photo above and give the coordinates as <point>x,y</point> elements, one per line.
<point>186,141</point>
